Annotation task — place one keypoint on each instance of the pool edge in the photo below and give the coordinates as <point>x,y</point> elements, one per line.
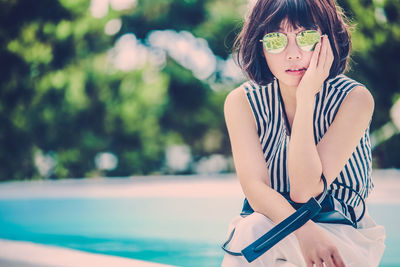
<point>37,255</point>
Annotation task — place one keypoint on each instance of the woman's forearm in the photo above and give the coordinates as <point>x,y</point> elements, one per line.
<point>304,164</point>
<point>267,201</point>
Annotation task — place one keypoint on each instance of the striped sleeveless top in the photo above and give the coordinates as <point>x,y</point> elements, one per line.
<point>269,118</point>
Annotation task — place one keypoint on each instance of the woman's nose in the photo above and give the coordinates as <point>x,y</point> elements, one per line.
<point>293,51</point>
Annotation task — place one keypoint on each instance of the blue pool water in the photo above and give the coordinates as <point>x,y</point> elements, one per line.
<point>177,231</point>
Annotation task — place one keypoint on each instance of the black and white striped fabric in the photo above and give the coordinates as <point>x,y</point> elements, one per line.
<point>269,118</point>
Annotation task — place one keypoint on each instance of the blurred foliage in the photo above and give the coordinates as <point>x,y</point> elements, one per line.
<point>385,155</point>
<point>376,41</point>
<point>60,96</point>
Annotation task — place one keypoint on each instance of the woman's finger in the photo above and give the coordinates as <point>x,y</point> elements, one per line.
<point>318,263</point>
<point>322,54</point>
<point>329,58</point>
<point>337,259</point>
<point>315,55</point>
<point>329,261</point>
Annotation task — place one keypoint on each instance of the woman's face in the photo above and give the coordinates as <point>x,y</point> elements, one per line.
<point>289,65</point>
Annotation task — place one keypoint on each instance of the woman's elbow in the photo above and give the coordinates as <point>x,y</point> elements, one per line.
<point>299,196</point>
<point>303,194</point>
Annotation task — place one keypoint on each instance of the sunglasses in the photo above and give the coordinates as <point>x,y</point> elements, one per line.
<point>276,42</point>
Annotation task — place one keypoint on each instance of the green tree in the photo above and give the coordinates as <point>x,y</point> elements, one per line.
<point>376,41</point>
<point>63,97</point>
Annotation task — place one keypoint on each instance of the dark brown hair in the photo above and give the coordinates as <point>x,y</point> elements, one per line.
<point>267,15</point>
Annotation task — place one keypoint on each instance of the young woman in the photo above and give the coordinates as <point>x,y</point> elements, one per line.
<point>297,118</point>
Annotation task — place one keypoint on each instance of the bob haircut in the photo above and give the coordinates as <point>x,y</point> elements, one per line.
<point>267,16</point>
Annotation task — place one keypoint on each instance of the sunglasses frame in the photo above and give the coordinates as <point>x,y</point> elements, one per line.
<point>297,34</point>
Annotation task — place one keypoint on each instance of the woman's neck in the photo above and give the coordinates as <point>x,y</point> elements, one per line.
<point>289,96</point>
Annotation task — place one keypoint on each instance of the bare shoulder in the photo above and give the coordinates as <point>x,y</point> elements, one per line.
<point>361,95</point>
<point>360,101</point>
<point>237,109</point>
<point>235,97</point>
<point>236,101</point>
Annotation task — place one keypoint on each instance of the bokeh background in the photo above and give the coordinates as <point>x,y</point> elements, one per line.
<point>133,91</point>
<point>130,87</point>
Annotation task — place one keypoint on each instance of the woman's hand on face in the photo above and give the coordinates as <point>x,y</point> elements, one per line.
<point>317,248</point>
<point>318,70</point>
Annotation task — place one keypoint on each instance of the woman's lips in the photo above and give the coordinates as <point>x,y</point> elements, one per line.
<point>296,71</point>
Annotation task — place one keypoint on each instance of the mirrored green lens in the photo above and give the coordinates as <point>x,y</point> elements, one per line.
<point>275,42</point>
<point>307,40</point>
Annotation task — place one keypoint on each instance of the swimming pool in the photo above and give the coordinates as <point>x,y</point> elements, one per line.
<point>183,230</point>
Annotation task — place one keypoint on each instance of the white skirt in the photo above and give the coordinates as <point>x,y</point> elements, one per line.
<point>361,247</point>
